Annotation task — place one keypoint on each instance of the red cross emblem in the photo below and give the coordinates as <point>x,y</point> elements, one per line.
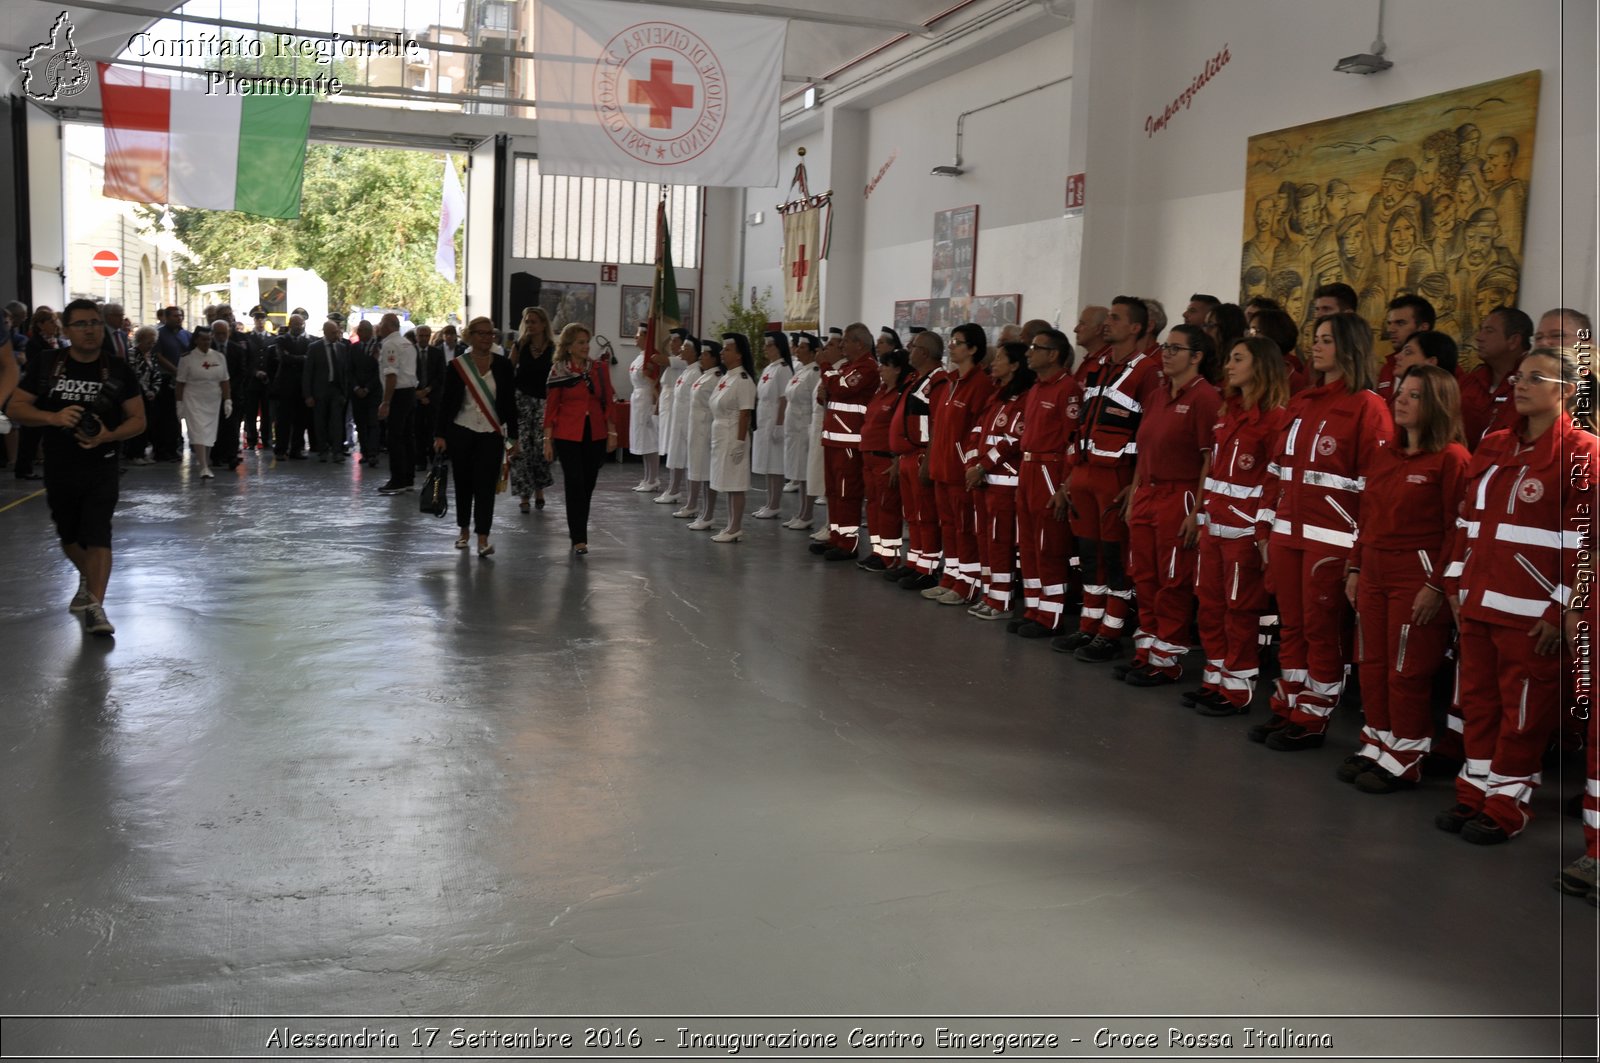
<point>800,268</point>
<point>205,365</point>
<point>661,93</point>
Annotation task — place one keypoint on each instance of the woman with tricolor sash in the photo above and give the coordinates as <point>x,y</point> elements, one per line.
<point>478,421</point>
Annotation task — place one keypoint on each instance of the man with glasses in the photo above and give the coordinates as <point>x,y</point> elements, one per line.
<point>89,402</point>
<point>397,362</point>
<point>1049,421</point>
<point>843,393</point>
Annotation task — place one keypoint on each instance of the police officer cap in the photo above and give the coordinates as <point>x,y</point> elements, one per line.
<point>257,311</point>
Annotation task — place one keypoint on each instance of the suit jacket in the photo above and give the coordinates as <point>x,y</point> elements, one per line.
<point>454,391</point>
<point>288,377</point>
<point>258,357</point>
<point>237,355</point>
<point>361,371</point>
<point>116,343</point>
<point>430,368</point>
<point>316,382</point>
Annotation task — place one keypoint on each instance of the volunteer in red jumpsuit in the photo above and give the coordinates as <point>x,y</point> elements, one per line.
<point>910,433</point>
<point>1406,316</point>
<point>1230,578</point>
<point>1163,510</point>
<point>843,393</point>
<point>1313,492</point>
<point>1512,570</point>
<point>1502,340</point>
<point>1044,538</point>
<point>1396,580</point>
<point>884,518</point>
<point>992,477</point>
<point>1117,382</point>
<point>957,411</point>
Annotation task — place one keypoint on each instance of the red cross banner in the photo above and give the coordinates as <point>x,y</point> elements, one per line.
<point>643,92</point>
<point>802,257</point>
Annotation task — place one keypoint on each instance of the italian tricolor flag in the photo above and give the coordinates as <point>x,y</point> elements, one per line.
<point>169,141</point>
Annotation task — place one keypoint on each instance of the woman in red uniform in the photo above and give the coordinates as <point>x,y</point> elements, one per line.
<point>1313,497</point>
<point>995,463</point>
<point>1512,571</point>
<point>884,516</point>
<point>957,411</point>
<point>1163,507</point>
<point>1229,577</point>
<point>1396,580</point>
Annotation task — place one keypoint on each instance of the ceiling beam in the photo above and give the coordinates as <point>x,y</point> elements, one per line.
<point>798,14</point>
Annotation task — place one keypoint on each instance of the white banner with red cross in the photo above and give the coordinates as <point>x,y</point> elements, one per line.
<point>802,257</point>
<point>644,92</point>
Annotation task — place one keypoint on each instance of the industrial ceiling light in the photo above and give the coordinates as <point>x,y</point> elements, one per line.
<point>1367,62</point>
<point>947,171</point>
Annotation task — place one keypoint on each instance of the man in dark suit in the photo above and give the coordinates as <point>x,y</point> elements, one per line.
<point>115,344</point>
<point>290,416</point>
<point>324,385</point>
<point>223,339</point>
<point>431,359</point>
<point>254,390</point>
<point>172,343</point>
<point>366,390</point>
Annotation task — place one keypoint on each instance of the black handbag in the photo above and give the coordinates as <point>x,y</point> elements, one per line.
<point>436,488</point>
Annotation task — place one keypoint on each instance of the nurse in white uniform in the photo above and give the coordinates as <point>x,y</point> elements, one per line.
<point>643,438</point>
<point>733,422</point>
<point>678,444</point>
<point>700,433</point>
<point>666,409</point>
<point>799,406</point>
<point>202,391</point>
<point>766,461</point>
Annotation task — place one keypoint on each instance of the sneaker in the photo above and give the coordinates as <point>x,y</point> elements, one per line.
<point>1578,879</point>
<point>954,597</point>
<point>873,564</point>
<point>1098,650</point>
<point>1262,731</point>
<point>819,548</point>
<point>922,581</point>
<point>896,573</point>
<point>95,621</point>
<point>1380,780</point>
<point>1219,706</point>
<point>82,600</point>
<point>1352,766</point>
<point>1453,819</point>
<point>1032,629</point>
<point>1482,830</point>
<point>1150,677</point>
<point>934,593</point>
<point>1071,642</point>
<point>668,499</point>
<point>1191,698</point>
<point>1294,738</point>
<point>1014,625</point>
<point>988,612</point>
<point>839,554</point>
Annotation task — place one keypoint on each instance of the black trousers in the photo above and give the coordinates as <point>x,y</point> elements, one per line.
<point>402,454</point>
<point>290,420</point>
<point>28,437</point>
<point>475,461</point>
<point>580,469</point>
<point>226,451</point>
<point>166,433</point>
<point>365,412</point>
<point>256,411</point>
<point>327,424</point>
<point>422,428</point>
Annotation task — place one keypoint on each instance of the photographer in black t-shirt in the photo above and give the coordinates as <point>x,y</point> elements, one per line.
<point>89,402</point>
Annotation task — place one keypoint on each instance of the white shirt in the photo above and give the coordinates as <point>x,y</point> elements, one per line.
<point>398,358</point>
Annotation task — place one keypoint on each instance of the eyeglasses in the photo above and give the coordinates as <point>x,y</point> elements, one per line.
<point>1169,348</point>
<point>86,324</point>
<point>1535,378</point>
<point>1041,347</point>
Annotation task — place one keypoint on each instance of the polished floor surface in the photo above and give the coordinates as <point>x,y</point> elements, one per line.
<point>331,765</point>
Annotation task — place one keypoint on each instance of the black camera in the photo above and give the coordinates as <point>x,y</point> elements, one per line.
<point>89,425</point>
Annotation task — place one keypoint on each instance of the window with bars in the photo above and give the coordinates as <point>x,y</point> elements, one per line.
<point>592,219</point>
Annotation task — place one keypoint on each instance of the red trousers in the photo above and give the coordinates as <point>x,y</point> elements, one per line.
<point>1398,659</point>
<point>884,520</point>
<point>1043,544</point>
<point>845,493</point>
<point>1233,598</point>
<point>922,518</point>
<point>958,528</point>
<point>1162,568</point>
<point>1510,706</point>
<point>1101,534</point>
<point>1311,609</point>
<point>997,542</point>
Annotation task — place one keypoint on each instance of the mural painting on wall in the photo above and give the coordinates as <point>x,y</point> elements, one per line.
<point>568,301</point>
<point>636,310</point>
<point>1427,197</point>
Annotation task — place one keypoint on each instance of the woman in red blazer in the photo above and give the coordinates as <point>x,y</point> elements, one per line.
<point>577,426</point>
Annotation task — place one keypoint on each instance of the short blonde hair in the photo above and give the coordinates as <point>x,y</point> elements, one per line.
<point>569,336</point>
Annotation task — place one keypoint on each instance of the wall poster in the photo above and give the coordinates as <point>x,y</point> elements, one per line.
<point>568,301</point>
<point>955,252</point>
<point>1428,196</point>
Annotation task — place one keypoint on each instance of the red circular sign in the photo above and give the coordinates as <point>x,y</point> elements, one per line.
<point>661,93</point>
<point>106,263</point>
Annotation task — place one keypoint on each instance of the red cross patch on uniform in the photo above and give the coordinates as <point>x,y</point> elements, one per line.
<point>1530,491</point>
<point>1327,445</point>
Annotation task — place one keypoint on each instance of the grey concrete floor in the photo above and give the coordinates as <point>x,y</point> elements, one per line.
<point>331,765</point>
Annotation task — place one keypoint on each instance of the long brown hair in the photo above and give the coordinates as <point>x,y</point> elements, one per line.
<point>1269,375</point>
<point>1441,408</point>
<point>522,330</point>
<point>1352,348</point>
<point>1580,408</point>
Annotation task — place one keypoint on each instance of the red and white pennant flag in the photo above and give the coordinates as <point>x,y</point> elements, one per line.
<point>666,94</point>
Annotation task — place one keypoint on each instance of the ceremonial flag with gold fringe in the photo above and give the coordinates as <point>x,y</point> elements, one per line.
<point>807,225</point>
<point>665,313</point>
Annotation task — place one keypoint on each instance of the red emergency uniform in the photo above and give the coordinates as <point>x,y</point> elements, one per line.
<point>1524,521</point>
<point>1049,426</point>
<point>910,433</point>
<point>1407,526</point>
<point>1230,577</point>
<point>1174,437</point>
<point>1313,493</point>
<point>884,519</point>
<point>959,405</point>
<point>1484,407</point>
<point>1299,379</point>
<point>998,452</point>
<point>1114,397</point>
<point>843,391</point>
